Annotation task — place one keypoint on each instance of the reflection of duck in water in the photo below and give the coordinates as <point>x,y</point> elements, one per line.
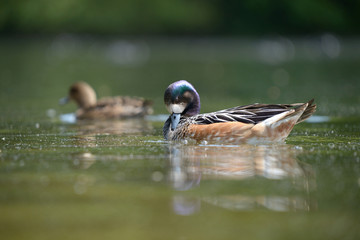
<point>250,123</point>
<point>106,108</point>
<point>137,126</point>
<point>263,167</point>
<point>232,162</point>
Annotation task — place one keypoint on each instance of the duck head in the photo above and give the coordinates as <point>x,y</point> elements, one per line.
<point>181,99</point>
<point>82,93</point>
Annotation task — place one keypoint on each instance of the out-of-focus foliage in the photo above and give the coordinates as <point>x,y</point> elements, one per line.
<point>180,16</point>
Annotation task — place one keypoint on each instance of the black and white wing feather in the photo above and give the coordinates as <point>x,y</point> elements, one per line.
<point>253,113</point>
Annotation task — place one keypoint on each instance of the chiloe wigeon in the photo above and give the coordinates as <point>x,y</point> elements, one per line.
<point>243,124</point>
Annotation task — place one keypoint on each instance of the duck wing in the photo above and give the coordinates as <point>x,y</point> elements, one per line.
<point>116,107</point>
<point>253,113</point>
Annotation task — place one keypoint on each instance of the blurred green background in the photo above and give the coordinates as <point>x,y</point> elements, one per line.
<point>180,17</point>
<point>260,51</point>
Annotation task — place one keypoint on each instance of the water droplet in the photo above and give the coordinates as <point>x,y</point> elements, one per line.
<point>37,125</point>
<point>157,176</point>
<point>51,113</point>
<point>331,145</point>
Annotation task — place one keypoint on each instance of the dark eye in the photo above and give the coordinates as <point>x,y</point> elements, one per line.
<point>73,90</point>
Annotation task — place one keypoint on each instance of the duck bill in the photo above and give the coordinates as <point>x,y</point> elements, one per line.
<point>64,100</point>
<point>175,119</point>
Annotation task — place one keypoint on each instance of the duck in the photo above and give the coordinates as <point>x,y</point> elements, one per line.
<point>254,123</point>
<point>119,107</point>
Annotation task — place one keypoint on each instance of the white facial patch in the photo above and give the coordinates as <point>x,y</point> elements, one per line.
<point>176,108</point>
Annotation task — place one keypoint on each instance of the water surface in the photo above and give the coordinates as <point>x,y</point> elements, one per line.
<point>120,179</point>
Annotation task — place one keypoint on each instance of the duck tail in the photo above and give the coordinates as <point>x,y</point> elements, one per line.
<point>147,106</point>
<point>293,115</point>
<point>309,110</point>
<point>278,127</point>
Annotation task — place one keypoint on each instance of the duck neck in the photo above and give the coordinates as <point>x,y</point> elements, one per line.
<point>194,106</point>
<point>89,100</point>
<point>86,104</point>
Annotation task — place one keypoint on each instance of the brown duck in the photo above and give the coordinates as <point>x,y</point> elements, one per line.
<point>106,108</point>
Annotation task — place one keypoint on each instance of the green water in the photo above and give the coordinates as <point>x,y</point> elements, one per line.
<point>121,180</point>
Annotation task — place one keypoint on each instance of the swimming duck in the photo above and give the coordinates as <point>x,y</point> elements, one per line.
<point>106,108</point>
<point>255,123</point>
